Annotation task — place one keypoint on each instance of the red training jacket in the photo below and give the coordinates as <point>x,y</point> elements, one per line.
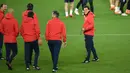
<point>1,17</point>
<point>89,24</point>
<point>55,30</point>
<point>9,28</point>
<point>25,13</point>
<point>30,30</point>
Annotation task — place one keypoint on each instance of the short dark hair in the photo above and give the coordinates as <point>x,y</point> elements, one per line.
<point>30,6</point>
<point>1,5</point>
<point>86,6</point>
<point>30,14</point>
<point>56,13</point>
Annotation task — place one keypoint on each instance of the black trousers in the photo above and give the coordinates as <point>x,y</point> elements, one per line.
<point>31,54</point>
<point>11,51</point>
<point>122,4</point>
<point>1,44</point>
<point>91,4</point>
<point>54,46</point>
<point>29,46</point>
<point>128,5</point>
<point>79,3</point>
<point>90,47</point>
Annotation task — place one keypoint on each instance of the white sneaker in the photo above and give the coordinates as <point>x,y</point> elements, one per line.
<point>2,58</point>
<point>76,12</point>
<point>27,69</point>
<point>54,70</point>
<point>118,12</point>
<point>124,14</point>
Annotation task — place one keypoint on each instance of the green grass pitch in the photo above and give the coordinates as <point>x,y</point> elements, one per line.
<point>112,40</point>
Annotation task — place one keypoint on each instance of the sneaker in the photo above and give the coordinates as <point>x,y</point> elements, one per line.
<point>96,60</point>
<point>71,16</point>
<point>36,67</point>
<point>9,66</point>
<point>27,69</point>
<point>2,58</point>
<point>76,12</point>
<point>118,12</point>
<point>85,61</point>
<point>124,14</point>
<point>54,70</point>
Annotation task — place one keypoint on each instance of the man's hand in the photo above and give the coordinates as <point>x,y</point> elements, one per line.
<point>83,29</point>
<point>64,44</point>
<point>39,41</point>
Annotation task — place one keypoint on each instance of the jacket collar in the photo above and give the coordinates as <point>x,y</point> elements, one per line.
<point>55,18</point>
<point>87,13</point>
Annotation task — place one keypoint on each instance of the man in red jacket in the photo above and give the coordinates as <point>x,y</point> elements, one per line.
<point>9,28</point>
<point>88,30</point>
<point>31,34</point>
<point>24,15</point>
<point>3,7</point>
<point>55,32</point>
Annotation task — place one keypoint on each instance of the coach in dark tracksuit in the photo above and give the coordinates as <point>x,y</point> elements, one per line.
<point>30,32</point>
<point>88,30</point>
<point>55,32</point>
<point>3,7</point>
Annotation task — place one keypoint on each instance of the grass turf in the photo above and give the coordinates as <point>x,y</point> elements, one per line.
<point>113,49</point>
